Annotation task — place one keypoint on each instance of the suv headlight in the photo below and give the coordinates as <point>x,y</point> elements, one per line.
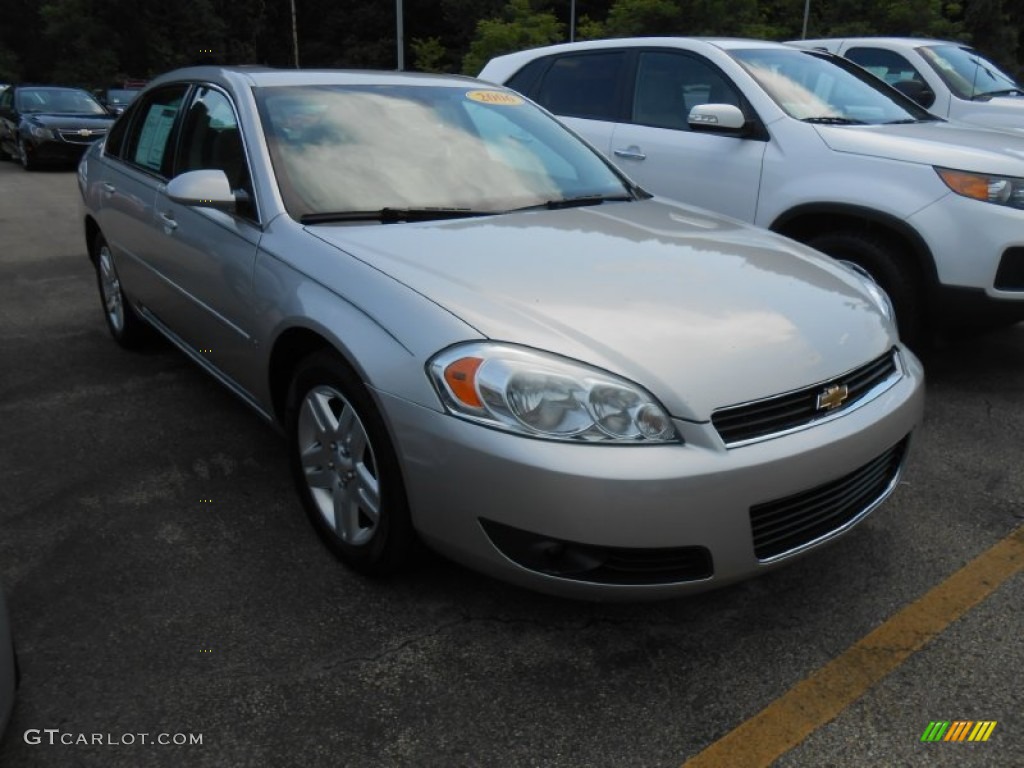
<point>1001,190</point>
<point>534,393</point>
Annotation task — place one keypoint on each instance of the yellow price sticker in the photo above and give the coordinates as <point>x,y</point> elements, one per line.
<point>501,98</point>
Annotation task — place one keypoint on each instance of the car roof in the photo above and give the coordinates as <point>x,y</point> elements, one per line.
<point>910,41</point>
<point>258,77</point>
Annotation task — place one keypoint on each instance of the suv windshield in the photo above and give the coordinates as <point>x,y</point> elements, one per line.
<point>386,148</point>
<point>968,74</point>
<point>60,101</point>
<point>822,88</point>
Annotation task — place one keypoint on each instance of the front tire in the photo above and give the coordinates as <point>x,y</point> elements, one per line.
<point>897,276</point>
<point>127,328</point>
<point>27,162</point>
<point>345,468</point>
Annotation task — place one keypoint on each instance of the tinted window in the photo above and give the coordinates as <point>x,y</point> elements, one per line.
<point>669,85</point>
<point>6,99</point>
<point>115,139</point>
<point>525,80</point>
<point>588,85</point>
<point>888,65</point>
<point>148,138</point>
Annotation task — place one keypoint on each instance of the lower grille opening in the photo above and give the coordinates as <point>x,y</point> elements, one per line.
<point>786,524</point>
<point>1010,276</point>
<point>602,565</point>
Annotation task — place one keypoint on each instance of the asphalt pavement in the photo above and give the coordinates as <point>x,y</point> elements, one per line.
<point>165,586</point>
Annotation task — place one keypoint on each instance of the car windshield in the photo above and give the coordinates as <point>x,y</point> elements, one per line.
<point>819,88</point>
<point>60,101</point>
<point>340,149</point>
<point>967,73</point>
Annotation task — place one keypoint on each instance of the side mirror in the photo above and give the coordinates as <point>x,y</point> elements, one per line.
<point>917,91</point>
<point>207,189</point>
<point>716,117</point>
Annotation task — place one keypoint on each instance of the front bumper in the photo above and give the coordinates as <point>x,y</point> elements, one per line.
<point>56,150</point>
<point>463,480</point>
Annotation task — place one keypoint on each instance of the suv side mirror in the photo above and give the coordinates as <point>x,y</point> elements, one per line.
<point>716,117</point>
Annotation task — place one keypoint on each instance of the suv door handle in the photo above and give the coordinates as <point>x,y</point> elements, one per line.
<point>630,153</point>
<point>108,188</point>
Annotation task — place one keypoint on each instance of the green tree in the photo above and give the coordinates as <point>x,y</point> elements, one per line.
<point>632,18</point>
<point>519,27</point>
<point>429,54</point>
<point>10,70</point>
<point>993,32</point>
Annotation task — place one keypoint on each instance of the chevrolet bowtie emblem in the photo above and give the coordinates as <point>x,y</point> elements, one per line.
<point>84,132</point>
<point>832,397</point>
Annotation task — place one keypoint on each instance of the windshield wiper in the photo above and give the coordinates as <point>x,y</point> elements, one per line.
<point>391,215</point>
<point>830,120</point>
<point>909,120</point>
<point>577,202</point>
<point>1001,92</point>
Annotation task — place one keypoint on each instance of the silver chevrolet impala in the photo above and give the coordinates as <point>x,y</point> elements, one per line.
<point>476,333</point>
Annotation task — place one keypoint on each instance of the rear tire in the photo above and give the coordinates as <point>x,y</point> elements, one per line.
<point>898,277</point>
<point>345,468</point>
<point>127,328</point>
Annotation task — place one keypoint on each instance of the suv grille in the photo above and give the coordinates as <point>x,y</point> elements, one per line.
<point>738,424</point>
<point>788,524</point>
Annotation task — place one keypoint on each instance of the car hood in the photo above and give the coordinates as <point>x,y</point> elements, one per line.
<point>1003,112</point>
<point>702,311</point>
<point>948,144</point>
<point>65,122</point>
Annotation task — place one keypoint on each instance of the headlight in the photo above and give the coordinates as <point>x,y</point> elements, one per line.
<point>874,290</point>
<point>542,395</point>
<point>40,132</point>
<point>1001,190</point>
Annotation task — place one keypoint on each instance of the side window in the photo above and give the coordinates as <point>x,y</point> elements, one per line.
<point>148,141</point>
<point>210,139</point>
<point>669,85</point>
<point>7,99</point>
<point>115,139</point>
<point>895,70</point>
<point>587,85</point>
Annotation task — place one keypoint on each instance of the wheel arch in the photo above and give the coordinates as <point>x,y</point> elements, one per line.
<point>805,222</point>
<point>92,228</point>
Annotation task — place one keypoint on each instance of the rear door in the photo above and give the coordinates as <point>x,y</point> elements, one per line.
<point>587,91</point>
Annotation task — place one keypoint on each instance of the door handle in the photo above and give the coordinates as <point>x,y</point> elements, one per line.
<point>169,223</point>
<point>630,153</point>
<point>108,188</point>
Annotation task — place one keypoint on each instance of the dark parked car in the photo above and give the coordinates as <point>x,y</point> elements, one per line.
<point>117,99</point>
<point>40,123</point>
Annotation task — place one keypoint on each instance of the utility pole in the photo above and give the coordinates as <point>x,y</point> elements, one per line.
<point>295,36</point>
<point>572,21</point>
<point>807,13</point>
<point>400,35</point>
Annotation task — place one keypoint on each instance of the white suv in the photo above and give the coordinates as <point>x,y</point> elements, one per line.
<point>949,79</point>
<point>809,145</point>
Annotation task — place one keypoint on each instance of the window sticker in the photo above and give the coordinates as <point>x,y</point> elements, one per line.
<point>153,137</point>
<point>499,98</point>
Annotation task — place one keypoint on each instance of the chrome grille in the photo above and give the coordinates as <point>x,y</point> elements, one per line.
<point>739,424</point>
<point>791,523</point>
<point>74,137</point>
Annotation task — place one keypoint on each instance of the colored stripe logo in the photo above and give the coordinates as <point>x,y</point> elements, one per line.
<point>958,730</point>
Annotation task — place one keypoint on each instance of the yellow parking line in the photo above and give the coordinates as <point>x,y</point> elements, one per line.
<point>820,698</point>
